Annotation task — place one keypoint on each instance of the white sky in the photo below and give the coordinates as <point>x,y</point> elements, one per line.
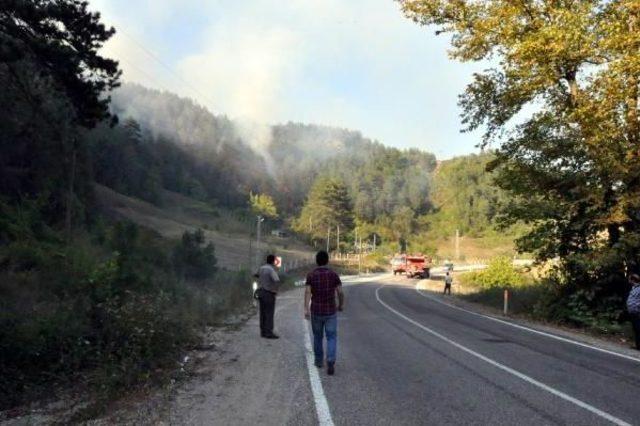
<point>350,63</point>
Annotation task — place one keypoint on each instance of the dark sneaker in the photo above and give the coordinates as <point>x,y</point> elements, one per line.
<point>318,364</point>
<point>271,336</point>
<point>330,368</point>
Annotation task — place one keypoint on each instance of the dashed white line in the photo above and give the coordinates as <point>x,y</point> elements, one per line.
<point>509,370</point>
<point>320,400</point>
<point>531,330</point>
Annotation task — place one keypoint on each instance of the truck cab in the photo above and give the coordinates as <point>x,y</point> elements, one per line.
<point>415,265</point>
<point>399,264</point>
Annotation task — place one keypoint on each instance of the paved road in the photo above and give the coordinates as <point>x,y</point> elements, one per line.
<point>406,359</point>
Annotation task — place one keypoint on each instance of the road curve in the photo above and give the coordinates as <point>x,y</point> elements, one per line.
<point>406,359</point>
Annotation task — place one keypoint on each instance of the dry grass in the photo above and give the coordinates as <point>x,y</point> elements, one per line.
<point>475,248</point>
<point>235,247</point>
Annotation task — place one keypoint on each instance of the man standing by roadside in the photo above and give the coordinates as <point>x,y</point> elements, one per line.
<point>268,283</point>
<point>448,280</point>
<point>633,306</point>
<point>322,286</point>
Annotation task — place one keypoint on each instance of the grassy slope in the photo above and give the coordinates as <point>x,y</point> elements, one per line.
<point>476,249</point>
<point>230,235</point>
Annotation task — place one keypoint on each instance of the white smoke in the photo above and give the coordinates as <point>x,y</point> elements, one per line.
<point>258,136</point>
<point>244,76</point>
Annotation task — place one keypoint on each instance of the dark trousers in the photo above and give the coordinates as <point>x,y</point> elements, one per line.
<point>267,310</point>
<point>447,288</point>
<point>635,322</point>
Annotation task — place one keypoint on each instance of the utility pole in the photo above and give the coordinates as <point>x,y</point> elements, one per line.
<point>360,256</point>
<point>374,242</point>
<point>259,225</point>
<point>457,244</point>
<point>69,206</point>
<point>338,238</point>
<point>355,244</point>
<point>250,253</point>
<point>328,237</point>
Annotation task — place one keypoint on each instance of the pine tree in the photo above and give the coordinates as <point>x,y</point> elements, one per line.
<point>328,206</point>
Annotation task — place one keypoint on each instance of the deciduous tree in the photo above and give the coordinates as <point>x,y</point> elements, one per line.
<point>571,70</point>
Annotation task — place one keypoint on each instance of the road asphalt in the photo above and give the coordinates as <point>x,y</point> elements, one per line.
<point>406,359</point>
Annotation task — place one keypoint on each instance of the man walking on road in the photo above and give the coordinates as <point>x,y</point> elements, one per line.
<point>268,283</point>
<point>322,286</point>
<point>448,280</point>
<point>633,306</point>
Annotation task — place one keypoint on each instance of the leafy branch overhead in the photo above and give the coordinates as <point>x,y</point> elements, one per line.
<point>560,99</point>
<point>64,39</point>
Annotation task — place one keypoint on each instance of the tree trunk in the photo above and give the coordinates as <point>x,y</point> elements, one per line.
<point>70,195</point>
<point>633,125</point>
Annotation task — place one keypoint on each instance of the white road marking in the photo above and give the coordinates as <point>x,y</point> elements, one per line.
<point>322,406</point>
<point>509,370</point>
<point>531,330</point>
<point>355,279</point>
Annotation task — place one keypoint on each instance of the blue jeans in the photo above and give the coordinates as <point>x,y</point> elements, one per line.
<point>327,325</point>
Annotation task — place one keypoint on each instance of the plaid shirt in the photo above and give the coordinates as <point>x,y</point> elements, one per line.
<point>323,282</point>
<point>633,302</point>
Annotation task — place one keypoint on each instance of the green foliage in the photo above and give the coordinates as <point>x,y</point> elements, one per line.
<point>64,38</point>
<point>263,205</point>
<point>107,315</point>
<point>182,146</point>
<point>582,307</point>
<point>465,198</point>
<point>194,258</point>
<point>202,155</point>
<point>499,273</point>
<point>379,179</point>
<point>549,299</point>
<point>570,167</point>
<point>328,206</point>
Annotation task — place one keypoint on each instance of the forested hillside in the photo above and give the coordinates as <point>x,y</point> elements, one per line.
<point>89,301</point>
<point>87,297</point>
<point>466,200</point>
<point>465,197</point>
<point>380,179</point>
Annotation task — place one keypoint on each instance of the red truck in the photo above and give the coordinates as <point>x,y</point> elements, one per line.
<point>414,265</point>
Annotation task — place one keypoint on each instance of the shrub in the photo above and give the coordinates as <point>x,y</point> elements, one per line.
<point>192,258</point>
<point>104,315</point>
<point>580,307</point>
<point>500,273</point>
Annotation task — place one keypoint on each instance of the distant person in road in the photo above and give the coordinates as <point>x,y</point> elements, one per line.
<point>322,287</point>
<point>268,283</point>
<point>633,306</point>
<point>448,280</point>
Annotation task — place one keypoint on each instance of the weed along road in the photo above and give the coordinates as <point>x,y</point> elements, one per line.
<point>406,358</point>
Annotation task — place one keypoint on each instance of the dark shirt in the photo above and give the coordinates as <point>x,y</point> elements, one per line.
<point>323,282</point>
<point>268,278</point>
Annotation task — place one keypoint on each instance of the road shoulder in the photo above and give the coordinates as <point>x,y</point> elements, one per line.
<point>433,288</point>
<point>244,379</point>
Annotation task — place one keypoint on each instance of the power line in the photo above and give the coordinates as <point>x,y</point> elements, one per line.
<point>156,58</point>
<point>144,73</point>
